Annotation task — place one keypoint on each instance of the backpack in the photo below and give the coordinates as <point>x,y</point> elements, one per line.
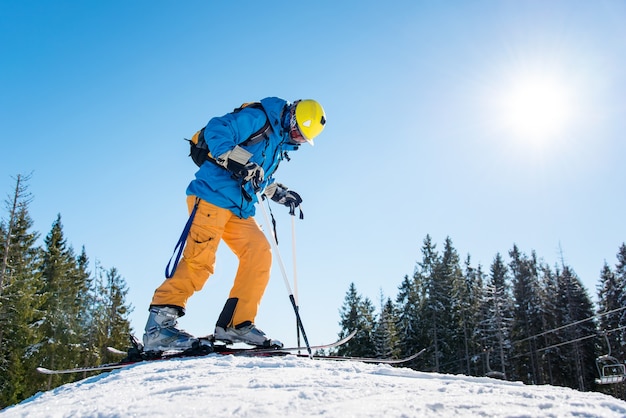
<point>199,150</point>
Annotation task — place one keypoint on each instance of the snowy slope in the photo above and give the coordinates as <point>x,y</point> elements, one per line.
<point>227,386</point>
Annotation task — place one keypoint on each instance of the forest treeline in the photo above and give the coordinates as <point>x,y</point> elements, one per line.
<point>523,320</point>
<point>54,311</point>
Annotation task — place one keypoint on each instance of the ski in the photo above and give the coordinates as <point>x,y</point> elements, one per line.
<point>240,352</point>
<point>219,349</point>
<point>370,359</point>
<point>237,352</point>
<point>102,367</point>
<point>226,349</point>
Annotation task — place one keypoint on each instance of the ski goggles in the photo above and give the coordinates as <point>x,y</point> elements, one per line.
<point>294,132</point>
<point>296,136</point>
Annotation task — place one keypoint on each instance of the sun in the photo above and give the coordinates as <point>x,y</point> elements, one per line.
<point>536,108</point>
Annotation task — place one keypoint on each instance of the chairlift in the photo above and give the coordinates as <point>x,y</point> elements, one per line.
<point>611,371</point>
<point>493,373</point>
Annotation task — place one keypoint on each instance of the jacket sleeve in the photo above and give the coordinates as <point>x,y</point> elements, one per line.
<point>223,133</point>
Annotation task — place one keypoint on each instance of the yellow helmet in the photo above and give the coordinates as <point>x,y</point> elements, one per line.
<point>310,118</point>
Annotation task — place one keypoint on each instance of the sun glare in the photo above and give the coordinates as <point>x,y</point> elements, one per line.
<point>536,108</point>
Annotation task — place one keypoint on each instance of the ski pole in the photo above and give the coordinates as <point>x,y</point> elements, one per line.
<point>295,271</point>
<point>284,273</point>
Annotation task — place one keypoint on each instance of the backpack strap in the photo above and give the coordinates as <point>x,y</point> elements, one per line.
<point>180,245</point>
<point>199,150</point>
<point>265,130</point>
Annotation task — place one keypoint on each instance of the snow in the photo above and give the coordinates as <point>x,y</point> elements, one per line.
<point>229,386</point>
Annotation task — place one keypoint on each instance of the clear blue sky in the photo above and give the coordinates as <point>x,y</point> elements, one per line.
<point>491,122</point>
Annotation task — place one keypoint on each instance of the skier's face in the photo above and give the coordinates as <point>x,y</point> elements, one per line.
<point>295,135</point>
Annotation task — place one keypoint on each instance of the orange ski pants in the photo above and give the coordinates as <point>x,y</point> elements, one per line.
<point>244,237</point>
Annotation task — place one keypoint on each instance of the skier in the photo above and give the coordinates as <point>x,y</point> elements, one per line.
<point>224,190</point>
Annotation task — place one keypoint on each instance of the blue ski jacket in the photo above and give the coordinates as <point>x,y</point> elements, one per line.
<point>213,183</point>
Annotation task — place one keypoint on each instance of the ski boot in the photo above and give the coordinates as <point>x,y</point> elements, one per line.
<point>161,334</point>
<point>245,333</point>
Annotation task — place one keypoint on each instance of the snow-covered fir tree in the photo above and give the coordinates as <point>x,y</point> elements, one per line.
<point>611,303</point>
<point>620,282</point>
<point>578,357</point>
<point>408,324</point>
<point>59,325</point>
<point>357,313</point>
<point>498,317</point>
<point>475,282</point>
<point>109,313</point>
<point>549,342</point>
<point>18,300</point>
<point>609,297</point>
<point>385,334</point>
<point>527,317</point>
<point>430,289</point>
<point>611,313</point>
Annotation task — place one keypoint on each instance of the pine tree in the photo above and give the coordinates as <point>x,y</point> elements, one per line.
<point>475,279</point>
<point>60,346</point>
<point>456,302</point>
<point>385,334</point>
<point>77,312</point>
<point>527,317</point>
<point>18,301</point>
<point>611,308</point>
<point>408,321</point>
<point>109,313</point>
<point>434,311</point>
<point>498,308</point>
<point>620,278</point>
<point>551,320</point>
<point>578,356</point>
<point>357,313</point>
<point>609,292</point>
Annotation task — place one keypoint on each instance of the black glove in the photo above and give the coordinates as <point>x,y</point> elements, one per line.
<point>237,162</point>
<point>253,173</point>
<point>281,194</point>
